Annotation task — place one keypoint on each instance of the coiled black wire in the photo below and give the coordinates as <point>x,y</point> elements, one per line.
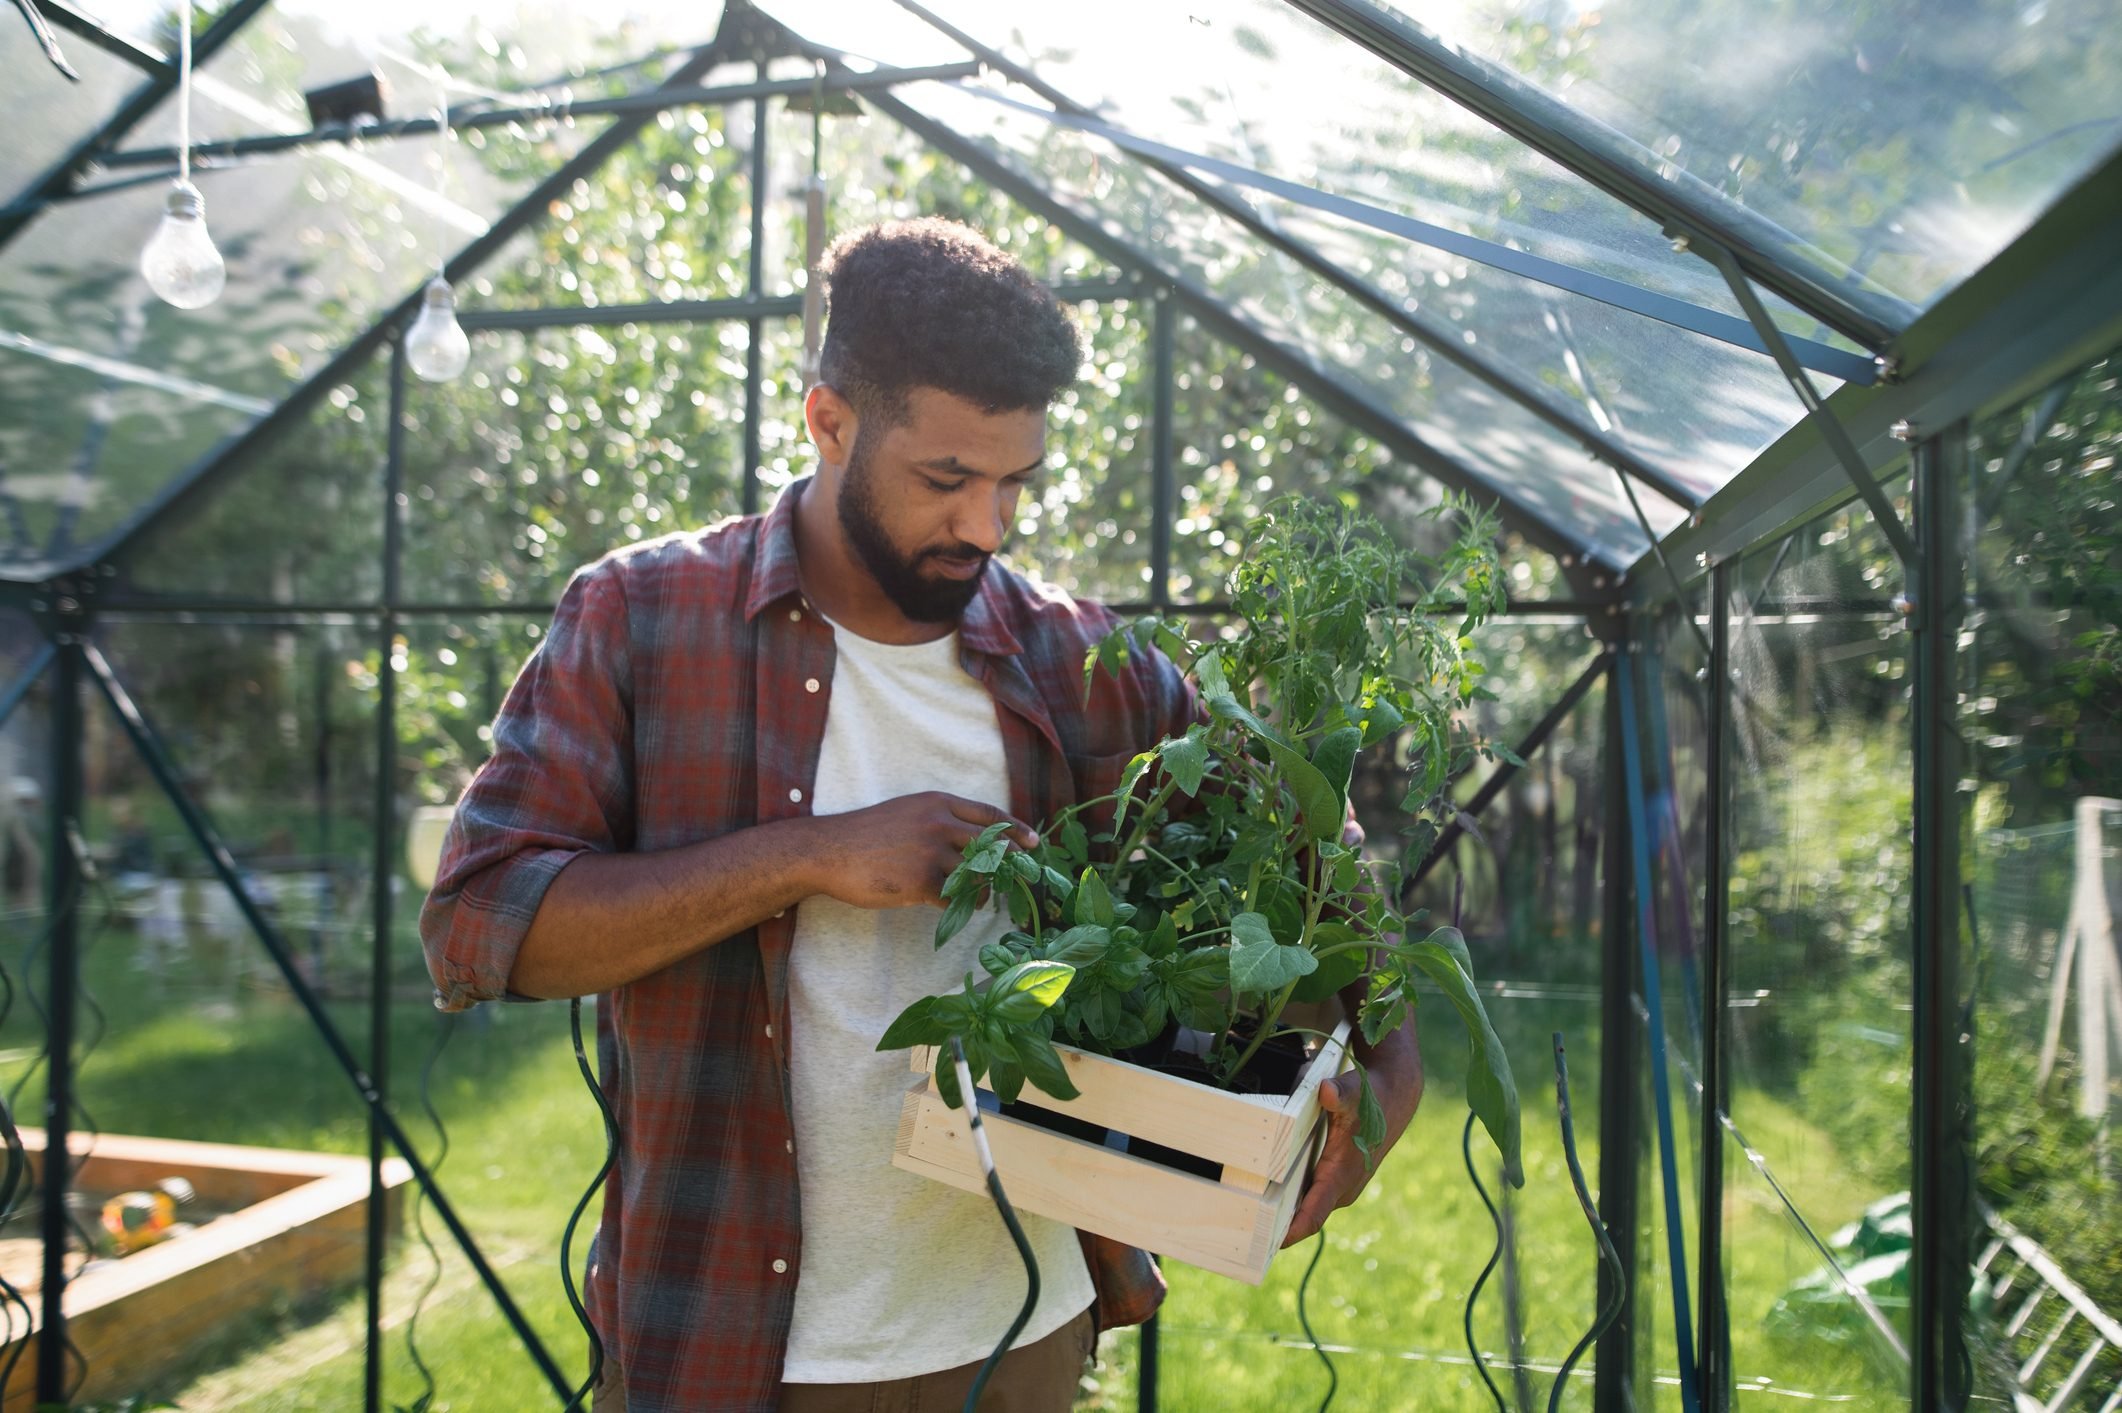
<point>445,1027</point>
<point>1607,1254</point>
<point>969,1097</point>
<point>567,1235</point>
<point>1333,1376</point>
<point>1466,1151</point>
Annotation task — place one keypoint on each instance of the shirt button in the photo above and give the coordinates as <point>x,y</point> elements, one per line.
<point>795,797</point>
<point>789,1144</point>
<point>795,615</point>
<point>780,1267</point>
<point>810,684</point>
<point>769,1032</point>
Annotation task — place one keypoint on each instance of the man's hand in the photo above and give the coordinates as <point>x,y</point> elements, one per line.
<point>898,853</point>
<point>1395,1067</point>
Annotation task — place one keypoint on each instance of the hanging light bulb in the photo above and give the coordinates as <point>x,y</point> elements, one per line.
<point>436,346</point>
<point>180,263</point>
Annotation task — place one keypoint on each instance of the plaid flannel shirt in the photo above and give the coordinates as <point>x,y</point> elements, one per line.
<point>680,695</point>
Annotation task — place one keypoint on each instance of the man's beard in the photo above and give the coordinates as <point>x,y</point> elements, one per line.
<point>921,599</point>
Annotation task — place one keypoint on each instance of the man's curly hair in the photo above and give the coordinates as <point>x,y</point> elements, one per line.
<point>929,303</point>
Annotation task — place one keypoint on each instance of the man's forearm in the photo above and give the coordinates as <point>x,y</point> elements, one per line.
<point>608,919</point>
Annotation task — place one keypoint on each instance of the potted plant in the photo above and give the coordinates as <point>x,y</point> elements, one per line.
<point>1144,1025</point>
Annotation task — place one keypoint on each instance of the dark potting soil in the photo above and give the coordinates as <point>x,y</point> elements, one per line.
<point>1274,1070</point>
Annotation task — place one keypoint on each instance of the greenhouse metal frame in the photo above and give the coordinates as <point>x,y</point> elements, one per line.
<point>2048,304</point>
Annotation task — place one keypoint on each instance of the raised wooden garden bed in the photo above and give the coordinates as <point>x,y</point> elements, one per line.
<point>1155,1160</point>
<point>294,1228</point>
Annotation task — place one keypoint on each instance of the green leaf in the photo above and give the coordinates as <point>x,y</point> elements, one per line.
<point>1164,938</point>
<point>1335,758</point>
<point>1093,903</point>
<point>1490,1090</point>
<point>1080,946</point>
<point>1370,1121</point>
<point>1023,992</point>
<point>1319,804</point>
<point>1506,754</point>
<point>1006,1078</point>
<point>1259,965</point>
<point>1074,842</point>
<point>1125,790</point>
<point>996,959</point>
<point>984,854</point>
<point>1025,867</point>
<point>1339,970</point>
<point>916,1025</point>
<point>1380,720</point>
<point>947,1079</point>
<point>1186,759</point>
<point>1043,1066</point>
<point>956,914</point>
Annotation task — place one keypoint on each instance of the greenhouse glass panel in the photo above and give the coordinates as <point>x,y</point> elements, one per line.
<point>1903,145</point>
<point>243,544</point>
<point>1267,88</point>
<point>601,437</point>
<point>2041,712</point>
<point>88,438</point>
<point>1820,983</point>
<point>666,218</point>
<point>45,114</point>
<point>874,170</point>
<point>185,1028</point>
<point>256,84</point>
<point>1694,407</point>
<point>318,246</point>
<point>1543,471</point>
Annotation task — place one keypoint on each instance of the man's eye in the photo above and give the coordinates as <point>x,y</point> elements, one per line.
<point>941,487</point>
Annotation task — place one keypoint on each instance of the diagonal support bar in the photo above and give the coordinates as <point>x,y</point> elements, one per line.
<point>1336,396</point>
<point>1620,167</point>
<point>1507,772</point>
<point>1830,426</point>
<point>159,764</point>
<point>222,461</point>
<point>61,177</point>
<point>1620,294</point>
<point>1446,343</point>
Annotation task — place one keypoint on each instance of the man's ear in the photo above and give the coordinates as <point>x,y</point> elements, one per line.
<point>832,422</point>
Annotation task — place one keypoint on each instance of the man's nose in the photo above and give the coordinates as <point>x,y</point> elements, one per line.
<point>986,523</point>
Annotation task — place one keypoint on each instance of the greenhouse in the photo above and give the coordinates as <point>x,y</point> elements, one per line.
<point>1763,361</point>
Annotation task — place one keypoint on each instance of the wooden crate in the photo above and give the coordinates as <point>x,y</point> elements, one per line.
<point>1231,1224</point>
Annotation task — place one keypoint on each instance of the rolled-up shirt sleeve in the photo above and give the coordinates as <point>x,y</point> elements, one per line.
<point>559,784</point>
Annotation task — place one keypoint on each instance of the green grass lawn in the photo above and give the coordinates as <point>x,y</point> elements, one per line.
<point>205,1043</point>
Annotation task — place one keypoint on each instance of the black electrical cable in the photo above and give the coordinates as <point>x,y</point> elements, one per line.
<point>1333,1376</point>
<point>1466,1151</point>
<point>968,1096</point>
<point>445,1027</point>
<point>567,1235</point>
<point>1611,1257</point>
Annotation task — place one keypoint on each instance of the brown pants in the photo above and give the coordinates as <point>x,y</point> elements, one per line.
<point>1039,1378</point>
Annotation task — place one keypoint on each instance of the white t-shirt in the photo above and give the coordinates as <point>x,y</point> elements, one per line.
<point>901,1275</point>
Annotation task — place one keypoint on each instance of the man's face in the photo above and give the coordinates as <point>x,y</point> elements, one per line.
<point>927,503</point>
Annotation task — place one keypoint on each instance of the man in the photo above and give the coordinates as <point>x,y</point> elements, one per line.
<point>726,791</point>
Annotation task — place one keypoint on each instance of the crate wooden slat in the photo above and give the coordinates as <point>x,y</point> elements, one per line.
<point>1232,1224</point>
<point>1255,1133</point>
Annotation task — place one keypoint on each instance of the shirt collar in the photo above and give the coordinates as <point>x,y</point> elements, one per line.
<point>984,626</point>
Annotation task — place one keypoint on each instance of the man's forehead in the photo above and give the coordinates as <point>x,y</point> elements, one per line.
<point>947,432</point>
